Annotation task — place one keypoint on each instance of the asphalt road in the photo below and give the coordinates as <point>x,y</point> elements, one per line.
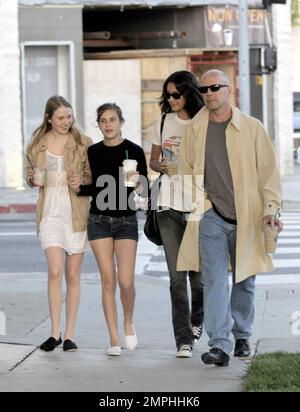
<point>20,249</point>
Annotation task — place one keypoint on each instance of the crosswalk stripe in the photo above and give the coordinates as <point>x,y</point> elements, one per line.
<point>287,250</point>
<point>291,226</point>
<point>264,279</point>
<point>296,213</point>
<point>286,263</point>
<point>291,241</point>
<point>278,263</point>
<point>285,234</point>
<point>288,244</point>
<point>17,233</point>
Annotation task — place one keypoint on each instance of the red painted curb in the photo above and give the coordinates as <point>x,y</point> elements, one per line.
<point>17,208</point>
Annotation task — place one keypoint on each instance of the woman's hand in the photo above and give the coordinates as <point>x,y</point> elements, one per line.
<point>87,180</point>
<point>30,176</point>
<point>164,166</point>
<point>135,178</point>
<point>155,163</point>
<point>74,181</point>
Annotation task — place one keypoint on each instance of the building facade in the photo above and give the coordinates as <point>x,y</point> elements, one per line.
<point>95,51</point>
<point>11,138</point>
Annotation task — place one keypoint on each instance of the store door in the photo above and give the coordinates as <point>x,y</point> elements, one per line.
<point>46,71</point>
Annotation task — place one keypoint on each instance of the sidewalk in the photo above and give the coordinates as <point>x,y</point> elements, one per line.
<point>153,367</point>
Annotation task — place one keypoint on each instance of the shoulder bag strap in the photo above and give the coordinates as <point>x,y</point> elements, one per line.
<point>162,121</point>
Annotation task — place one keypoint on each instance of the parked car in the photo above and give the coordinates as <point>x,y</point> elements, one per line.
<point>296,116</point>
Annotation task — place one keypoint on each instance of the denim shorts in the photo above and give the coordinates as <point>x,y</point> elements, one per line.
<point>101,226</point>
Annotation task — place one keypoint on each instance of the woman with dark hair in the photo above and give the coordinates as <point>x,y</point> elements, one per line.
<point>57,164</point>
<point>180,101</point>
<point>112,223</point>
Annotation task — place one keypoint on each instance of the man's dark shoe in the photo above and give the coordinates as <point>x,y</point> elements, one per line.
<point>50,344</point>
<point>215,357</point>
<point>69,346</point>
<point>242,348</point>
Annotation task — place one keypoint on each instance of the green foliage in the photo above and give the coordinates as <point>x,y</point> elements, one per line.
<point>274,372</point>
<point>295,11</point>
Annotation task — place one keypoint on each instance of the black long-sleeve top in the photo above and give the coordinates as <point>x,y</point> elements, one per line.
<point>109,195</point>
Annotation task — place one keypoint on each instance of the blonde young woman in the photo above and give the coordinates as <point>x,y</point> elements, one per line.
<point>112,223</point>
<point>57,163</point>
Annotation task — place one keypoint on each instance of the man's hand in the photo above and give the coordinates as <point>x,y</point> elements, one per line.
<point>270,220</point>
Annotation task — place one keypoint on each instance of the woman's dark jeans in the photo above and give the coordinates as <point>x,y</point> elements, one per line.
<point>172,225</point>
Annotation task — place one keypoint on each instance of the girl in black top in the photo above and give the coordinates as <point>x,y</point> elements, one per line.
<point>112,224</point>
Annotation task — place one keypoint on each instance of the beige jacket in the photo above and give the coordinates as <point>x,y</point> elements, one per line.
<point>75,161</point>
<point>256,183</point>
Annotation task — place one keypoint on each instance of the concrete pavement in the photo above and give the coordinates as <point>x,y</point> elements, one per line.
<point>153,367</point>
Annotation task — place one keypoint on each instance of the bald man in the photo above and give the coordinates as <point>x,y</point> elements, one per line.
<point>242,184</point>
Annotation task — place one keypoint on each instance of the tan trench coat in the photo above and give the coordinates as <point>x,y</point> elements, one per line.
<point>256,183</point>
<point>75,161</point>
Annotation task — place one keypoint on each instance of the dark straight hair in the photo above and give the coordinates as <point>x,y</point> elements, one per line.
<point>110,106</point>
<point>187,84</point>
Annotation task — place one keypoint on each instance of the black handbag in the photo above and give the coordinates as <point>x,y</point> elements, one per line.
<point>151,228</point>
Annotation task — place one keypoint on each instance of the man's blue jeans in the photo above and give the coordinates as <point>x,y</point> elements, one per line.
<point>218,243</point>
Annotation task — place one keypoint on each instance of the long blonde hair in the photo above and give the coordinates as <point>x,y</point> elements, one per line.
<point>53,103</point>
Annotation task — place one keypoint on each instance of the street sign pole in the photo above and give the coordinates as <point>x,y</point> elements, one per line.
<point>244,75</point>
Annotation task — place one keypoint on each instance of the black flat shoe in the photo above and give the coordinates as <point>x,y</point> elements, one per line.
<point>215,357</point>
<point>50,344</point>
<point>242,348</point>
<point>69,346</point>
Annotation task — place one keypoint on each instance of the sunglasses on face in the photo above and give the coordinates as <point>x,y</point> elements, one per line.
<point>175,95</point>
<point>212,88</point>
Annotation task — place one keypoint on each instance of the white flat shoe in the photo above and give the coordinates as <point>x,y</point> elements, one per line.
<point>131,341</point>
<point>114,351</point>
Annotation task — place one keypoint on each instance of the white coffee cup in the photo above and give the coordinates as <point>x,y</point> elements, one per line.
<point>228,37</point>
<point>38,177</point>
<point>129,169</point>
<point>271,237</point>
